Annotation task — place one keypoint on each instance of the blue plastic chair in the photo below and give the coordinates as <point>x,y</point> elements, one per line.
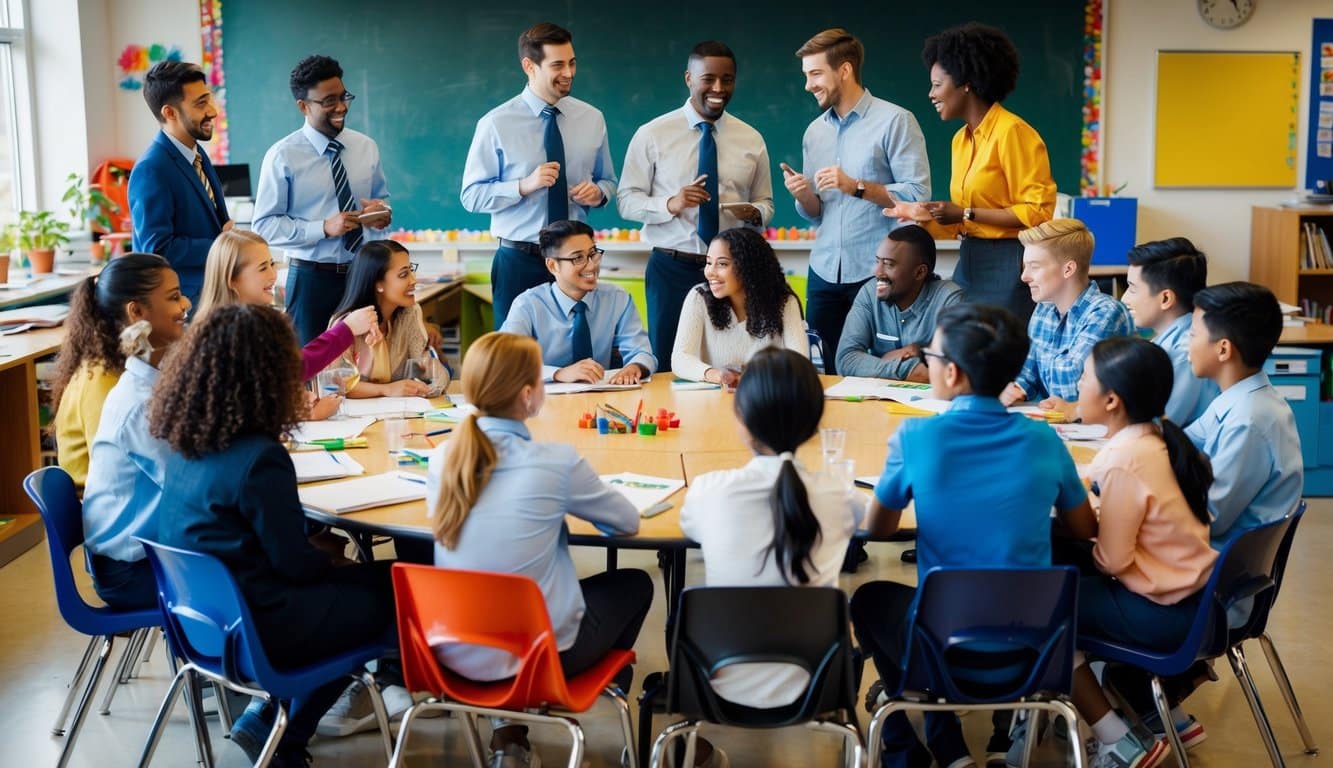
<point>208,625</point>
<point>1245,581</point>
<point>52,490</point>
<point>988,639</point>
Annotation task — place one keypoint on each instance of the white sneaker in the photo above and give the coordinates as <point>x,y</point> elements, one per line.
<point>351,713</point>
<point>515,756</point>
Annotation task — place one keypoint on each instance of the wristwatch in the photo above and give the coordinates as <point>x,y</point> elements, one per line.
<point>969,214</point>
<point>860,189</point>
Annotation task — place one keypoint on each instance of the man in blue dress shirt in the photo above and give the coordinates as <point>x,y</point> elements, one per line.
<point>321,195</point>
<point>539,158</point>
<point>175,196</point>
<point>858,157</point>
<point>577,322</point>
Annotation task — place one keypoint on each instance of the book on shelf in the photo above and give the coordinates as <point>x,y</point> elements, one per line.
<point>1315,250</point>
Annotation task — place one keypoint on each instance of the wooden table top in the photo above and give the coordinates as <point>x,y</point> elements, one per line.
<point>19,348</point>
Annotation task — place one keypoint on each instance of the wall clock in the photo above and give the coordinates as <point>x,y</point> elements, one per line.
<point>1226,14</point>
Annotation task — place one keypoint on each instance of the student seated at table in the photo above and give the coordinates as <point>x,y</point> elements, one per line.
<point>240,270</point>
<point>994,517</point>
<point>578,321</point>
<point>499,500</point>
<point>746,305</point>
<point>126,466</point>
<point>1140,581</point>
<point>230,492</point>
<point>1163,277</point>
<point>1072,314</point>
<point>133,287</point>
<point>384,276</point>
<point>894,315</point>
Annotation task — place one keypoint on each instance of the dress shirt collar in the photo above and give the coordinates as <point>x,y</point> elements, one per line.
<point>1178,328</point>
<point>693,118</point>
<point>317,140</point>
<point>186,152</point>
<point>535,103</point>
<point>862,106</point>
<point>140,369</point>
<point>987,124</point>
<point>1232,396</point>
<point>918,304</point>
<point>1082,303</point>
<point>506,426</point>
<point>978,403</point>
<point>1129,434</point>
<point>565,301</point>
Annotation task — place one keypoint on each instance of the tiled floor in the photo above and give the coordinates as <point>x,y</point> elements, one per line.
<point>40,652</point>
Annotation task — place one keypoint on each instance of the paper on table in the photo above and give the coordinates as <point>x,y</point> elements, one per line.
<point>877,389</point>
<point>385,406</point>
<point>325,465</point>
<point>648,494</point>
<point>686,384</point>
<point>308,431</point>
<point>456,413</point>
<point>1037,412</point>
<point>574,387</point>
<point>364,492</point>
<point>1081,431</point>
<point>42,316</point>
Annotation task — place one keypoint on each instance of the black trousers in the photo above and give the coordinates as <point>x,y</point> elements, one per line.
<point>312,295</point>
<point>513,272</point>
<point>988,272</point>
<point>616,604</point>
<point>826,308</point>
<point>666,283</point>
<point>125,586</point>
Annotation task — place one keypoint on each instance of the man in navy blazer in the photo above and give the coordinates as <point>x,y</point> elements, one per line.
<point>176,199</point>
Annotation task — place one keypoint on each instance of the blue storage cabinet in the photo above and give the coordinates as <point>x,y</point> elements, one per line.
<point>1294,372</point>
<point>1113,222</point>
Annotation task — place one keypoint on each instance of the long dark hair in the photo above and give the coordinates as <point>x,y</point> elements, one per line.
<point>766,288</point>
<point>369,267</point>
<point>780,401</point>
<point>1140,373</point>
<point>97,315</point>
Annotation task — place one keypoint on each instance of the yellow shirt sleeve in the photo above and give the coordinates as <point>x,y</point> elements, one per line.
<point>78,416</point>
<point>1027,172</point>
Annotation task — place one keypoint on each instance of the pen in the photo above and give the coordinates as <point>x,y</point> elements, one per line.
<point>411,478</point>
<point>339,443</point>
<point>439,432</point>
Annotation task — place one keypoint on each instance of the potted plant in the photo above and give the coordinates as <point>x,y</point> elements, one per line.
<point>8,241</point>
<point>89,207</point>
<point>39,234</point>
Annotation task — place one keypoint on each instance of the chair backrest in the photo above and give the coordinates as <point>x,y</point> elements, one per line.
<point>992,634</point>
<point>1249,572</point>
<point>720,626</point>
<point>494,610</point>
<point>52,490</point>
<point>207,621</point>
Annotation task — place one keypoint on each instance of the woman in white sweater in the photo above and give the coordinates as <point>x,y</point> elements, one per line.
<point>746,305</point>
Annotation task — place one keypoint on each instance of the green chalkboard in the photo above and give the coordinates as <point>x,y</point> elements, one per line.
<point>424,72</point>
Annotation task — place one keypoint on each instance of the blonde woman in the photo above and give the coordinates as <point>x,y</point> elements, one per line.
<point>499,501</point>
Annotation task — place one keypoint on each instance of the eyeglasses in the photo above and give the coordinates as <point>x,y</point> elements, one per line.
<point>581,259</point>
<point>412,267</point>
<point>923,356</point>
<point>329,102</point>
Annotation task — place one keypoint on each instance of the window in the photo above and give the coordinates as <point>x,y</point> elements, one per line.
<point>11,190</point>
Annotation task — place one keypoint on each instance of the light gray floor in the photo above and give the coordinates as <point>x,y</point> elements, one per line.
<point>40,653</point>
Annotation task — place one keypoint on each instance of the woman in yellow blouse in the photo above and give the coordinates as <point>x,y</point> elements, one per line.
<point>1001,181</point>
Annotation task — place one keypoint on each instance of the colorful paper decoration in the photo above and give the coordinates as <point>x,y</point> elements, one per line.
<point>1090,157</point>
<point>210,33</point>
<point>135,60</point>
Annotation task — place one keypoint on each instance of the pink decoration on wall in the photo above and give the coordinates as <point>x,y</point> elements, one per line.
<point>135,60</point>
<point>210,34</point>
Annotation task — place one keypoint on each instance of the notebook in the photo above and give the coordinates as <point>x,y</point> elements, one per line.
<point>648,494</point>
<point>863,388</point>
<point>574,387</point>
<point>385,406</point>
<point>313,466</point>
<point>332,429</point>
<point>686,384</point>
<point>365,492</point>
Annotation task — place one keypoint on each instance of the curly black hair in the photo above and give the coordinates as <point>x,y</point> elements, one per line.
<point>236,373</point>
<point>977,55</point>
<point>766,288</point>
<point>311,71</point>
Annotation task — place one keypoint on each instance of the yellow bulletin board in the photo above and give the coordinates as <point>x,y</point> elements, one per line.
<point>1226,119</point>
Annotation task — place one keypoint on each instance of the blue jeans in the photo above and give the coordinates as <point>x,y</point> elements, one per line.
<point>124,586</point>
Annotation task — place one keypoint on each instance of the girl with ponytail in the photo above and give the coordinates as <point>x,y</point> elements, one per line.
<point>133,287</point>
<point>771,522</point>
<point>1141,578</point>
<point>499,501</point>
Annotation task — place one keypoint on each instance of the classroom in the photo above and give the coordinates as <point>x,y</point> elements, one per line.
<point>425,213</point>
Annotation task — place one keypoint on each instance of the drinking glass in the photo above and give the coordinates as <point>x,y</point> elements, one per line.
<point>843,471</point>
<point>831,442</point>
<point>336,381</point>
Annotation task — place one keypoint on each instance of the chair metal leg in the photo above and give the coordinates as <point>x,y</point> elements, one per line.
<point>1034,730</point>
<point>148,646</point>
<point>626,724</point>
<point>130,655</point>
<point>224,707</point>
<point>647,700</point>
<point>126,657</point>
<point>473,736</point>
<point>576,736</point>
<point>1164,712</point>
<point>194,698</point>
<point>381,715</point>
<point>163,712</point>
<point>396,759</point>
<point>691,747</point>
<point>874,734</point>
<point>1070,716</point>
<point>1238,665</point>
<point>88,653</point>
<point>274,736</point>
<point>81,711</point>
<point>675,730</point>
<point>1284,685</point>
<point>851,738</point>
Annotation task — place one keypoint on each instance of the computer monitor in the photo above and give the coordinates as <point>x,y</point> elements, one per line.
<point>235,180</point>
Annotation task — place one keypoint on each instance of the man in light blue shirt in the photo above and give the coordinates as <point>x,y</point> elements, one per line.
<point>321,195</point>
<point>858,157</point>
<point>539,158</point>
<point>1249,432</point>
<point>576,321</point>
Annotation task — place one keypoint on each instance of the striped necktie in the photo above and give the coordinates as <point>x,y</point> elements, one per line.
<point>203,177</point>
<point>351,240</point>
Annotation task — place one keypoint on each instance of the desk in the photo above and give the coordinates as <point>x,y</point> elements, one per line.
<point>20,451</point>
<point>46,287</point>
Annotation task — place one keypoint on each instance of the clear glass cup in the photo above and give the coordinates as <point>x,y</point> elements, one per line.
<point>832,440</point>
<point>430,372</point>
<point>843,472</point>
<point>397,432</point>
<point>336,381</point>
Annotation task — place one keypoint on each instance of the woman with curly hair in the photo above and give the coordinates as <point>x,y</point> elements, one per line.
<point>1001,180</point>
<point>223,402</point>
<point>133,287</point>
<point>746,305</point>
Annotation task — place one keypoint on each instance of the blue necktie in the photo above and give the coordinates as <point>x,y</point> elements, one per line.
<point>708,211</point>
<point>581,341</point>
<point>351,240</point>
<point>557,197</point>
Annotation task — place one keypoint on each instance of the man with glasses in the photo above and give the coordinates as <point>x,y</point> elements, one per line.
<point>321,195</point>
<point>539,158</point>
<point>578,323</point>
<point>894,315</point>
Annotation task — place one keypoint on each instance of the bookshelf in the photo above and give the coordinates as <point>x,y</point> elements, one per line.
<point>1277,247</point>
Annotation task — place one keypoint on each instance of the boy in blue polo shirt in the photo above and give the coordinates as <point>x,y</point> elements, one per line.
<point>998,517</point>
<point>1072,314</point>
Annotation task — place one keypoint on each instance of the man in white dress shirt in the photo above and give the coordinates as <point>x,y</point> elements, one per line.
<point>689,174</point>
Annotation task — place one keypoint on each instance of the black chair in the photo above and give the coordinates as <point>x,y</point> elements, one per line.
<point>717,627</point>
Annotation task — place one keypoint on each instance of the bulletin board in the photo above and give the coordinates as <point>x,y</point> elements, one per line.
<point>1227,118</point>
<point>1319,153</point>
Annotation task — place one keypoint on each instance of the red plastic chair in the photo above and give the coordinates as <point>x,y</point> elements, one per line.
<point>501,611</point>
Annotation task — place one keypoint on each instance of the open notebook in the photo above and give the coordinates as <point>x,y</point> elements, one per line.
<point>365,492</point>
<point>313,466</point>
<point>385,406</point>
<point>605,385</point>
<point>864,388</point>
<point>648,494</point>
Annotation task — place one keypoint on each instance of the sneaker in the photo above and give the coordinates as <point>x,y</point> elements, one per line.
<point>396,701</point>
<point>963,762</point>
<point>252,728</point>
<point>514,756</point>
<point>351,713</point>
<point>1191,733</point>
<point>291,757</point>
<point>1131,752</point>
